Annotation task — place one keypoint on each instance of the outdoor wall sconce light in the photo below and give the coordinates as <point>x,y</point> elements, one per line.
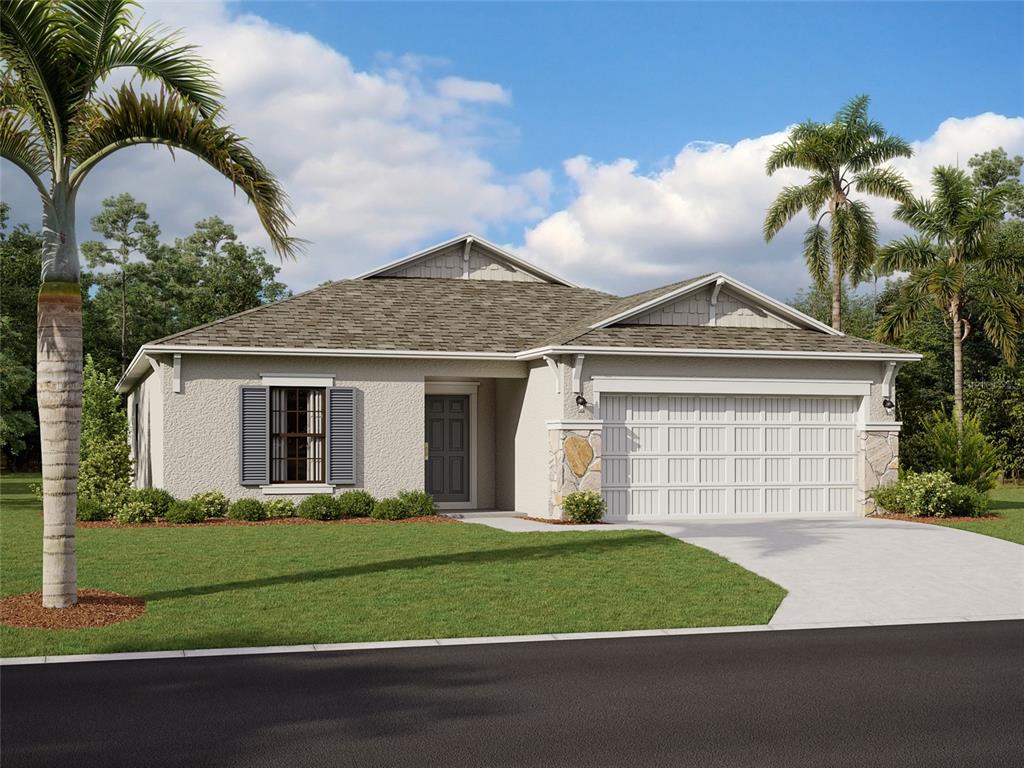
<point>889,405</point>
<point>581,402</point>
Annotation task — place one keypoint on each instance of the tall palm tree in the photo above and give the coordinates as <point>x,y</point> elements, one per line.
<point>846,154</point>
<point>56,126</point>
<point>953,267</point>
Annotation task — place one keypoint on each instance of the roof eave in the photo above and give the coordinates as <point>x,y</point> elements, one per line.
<point>881,356</point>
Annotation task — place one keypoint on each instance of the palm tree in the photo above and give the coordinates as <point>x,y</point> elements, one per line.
<point>953,267</point>
<point>841,156</point>
<point>56,126</point>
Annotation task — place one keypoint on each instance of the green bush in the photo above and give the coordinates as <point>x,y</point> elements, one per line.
<point>280,508</point>
<point>356,503</point>
<point>135,511</point>
<point>248,509</point>
<point>91,509</point>
<point>211,503</point>
<point>105,466</point>
<point>157,498</point>
<point>583,506</point>
<point>321,506</point>
<point>390,509</point>
<point>930,494</point>
<point>969,459</point>
<point>417,503</point>
<point>185,512</point>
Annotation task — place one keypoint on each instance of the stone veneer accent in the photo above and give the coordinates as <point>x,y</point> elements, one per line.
<point>881,463</point>
<point>574,464</point>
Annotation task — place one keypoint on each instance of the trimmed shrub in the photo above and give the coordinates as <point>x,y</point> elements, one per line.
<point>930,494</point>
<point>211,503</point>
<point>157,498</point>
<point>417,503</point>
<point>105,465</point>
<point>969,459</point>
<point>185,512</point>
<point>583,506</point>
<point>135,511</point>
<point>320,506</point>
<point>356,503</point>
<point>248,509</point>
<point>389,509</point>
<point>91,509</point>
<point>280,508</point>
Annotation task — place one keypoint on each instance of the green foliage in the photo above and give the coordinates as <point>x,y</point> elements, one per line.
<point>280,508</point>
<point>157,498</point>
<point>417,503</point>
<point>248,509</point>
<point>390,509</point>
<point>583,506</point>
<point>858,310</point>
<point>997,170</point>
<point>842,156</point>
<point>969,458</point>
<point>211,503</point>
<point>998,403</point>
<point>356,503</point>
<point>16,383</point>
<point>930,494</point>
<point>320,506</point>
<point>90,510</point>
<point>105,468</point>
<point>135,510</point>
<point>185,512</point>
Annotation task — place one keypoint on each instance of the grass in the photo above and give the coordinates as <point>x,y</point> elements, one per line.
<point>1008,503</point>
<point>275,585</point>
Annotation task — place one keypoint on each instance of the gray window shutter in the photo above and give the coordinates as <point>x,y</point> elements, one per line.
<point>341,436</point>
<point>254,432</point>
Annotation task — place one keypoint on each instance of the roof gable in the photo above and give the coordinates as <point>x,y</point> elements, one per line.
<point>740,294</point>
<point>466,257</point>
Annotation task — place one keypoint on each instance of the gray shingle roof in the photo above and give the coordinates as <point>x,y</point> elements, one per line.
<point>705,337</point>
<point>444,315</point>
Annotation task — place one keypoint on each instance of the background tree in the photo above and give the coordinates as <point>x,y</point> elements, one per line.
<point>952,267</point>
<point>858,310</point>
<point>56,126</point>
<point>124,224</point>
<point>997,170</point>
<point>844,155</point>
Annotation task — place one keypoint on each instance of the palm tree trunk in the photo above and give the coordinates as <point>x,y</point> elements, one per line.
<point>837,297</point>
<point>958,365</point>
<point>59,392</point>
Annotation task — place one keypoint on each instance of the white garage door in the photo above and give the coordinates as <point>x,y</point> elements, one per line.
<point>679,456</point>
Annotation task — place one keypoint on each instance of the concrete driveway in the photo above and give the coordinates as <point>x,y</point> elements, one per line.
<point>855,570</point>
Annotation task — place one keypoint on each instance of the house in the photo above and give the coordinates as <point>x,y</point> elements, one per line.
<point>495,384</point>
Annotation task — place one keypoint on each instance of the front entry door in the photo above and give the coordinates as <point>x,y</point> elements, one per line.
<point>447,436</point>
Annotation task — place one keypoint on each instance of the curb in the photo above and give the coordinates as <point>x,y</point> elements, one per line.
<point>452,641</point>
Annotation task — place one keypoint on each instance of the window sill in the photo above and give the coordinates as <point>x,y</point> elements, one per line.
<point>296,489</point>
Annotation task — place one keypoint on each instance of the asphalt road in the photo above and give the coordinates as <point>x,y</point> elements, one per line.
<point>925,695</point>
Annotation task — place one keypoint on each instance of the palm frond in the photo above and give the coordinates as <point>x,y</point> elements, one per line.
<point>907,254</point>
<point>129,119</point>
<point>20,144</point>
<point>819,190</point>
<point>912,300</point>
<point>952,193</point>
<point>785,206</point>
<point>865,245</point>
<point>817,255</point>
<point>843,239</point>
<point>881,150</point>
<point>91,27</point>
<point>883,182</point>
<point>999,310</point>
<point>31,46</point>
<point>920,214</point>
<point>854,111</point>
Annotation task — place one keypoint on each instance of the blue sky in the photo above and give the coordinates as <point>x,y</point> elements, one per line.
<point>640,80</point>
<point>620,145</point>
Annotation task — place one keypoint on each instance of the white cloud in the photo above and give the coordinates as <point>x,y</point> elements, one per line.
<point>460,89</point>
<point>377,163</point>
<point>625,229</point>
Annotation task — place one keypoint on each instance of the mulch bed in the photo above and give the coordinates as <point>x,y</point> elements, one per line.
<point>96,608</point>
<point>223,521</point>
<point>940,520</point>
<point>551,521</point>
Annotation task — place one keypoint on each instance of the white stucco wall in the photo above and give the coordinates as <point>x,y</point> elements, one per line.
<point>540,404</point>
<point>201,449</point>
<point>146,429</point>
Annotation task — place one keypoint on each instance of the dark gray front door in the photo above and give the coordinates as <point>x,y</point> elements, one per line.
<point>448,447</point>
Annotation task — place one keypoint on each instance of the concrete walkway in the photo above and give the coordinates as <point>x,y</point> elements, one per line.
<point>853,570</point>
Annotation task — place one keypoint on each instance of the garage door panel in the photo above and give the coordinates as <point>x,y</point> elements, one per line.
<point>668,455</point>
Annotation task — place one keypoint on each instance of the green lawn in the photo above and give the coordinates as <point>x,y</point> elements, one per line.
<point>274,585</point>
<point>1008,503</point>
